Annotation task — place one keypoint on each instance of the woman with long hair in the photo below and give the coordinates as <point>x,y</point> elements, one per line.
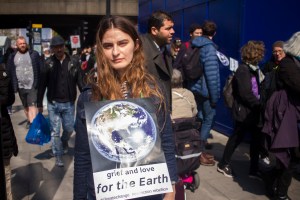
<point>120,74</point>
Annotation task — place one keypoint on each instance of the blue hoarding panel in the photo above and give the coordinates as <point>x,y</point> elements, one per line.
<point>238,21</point>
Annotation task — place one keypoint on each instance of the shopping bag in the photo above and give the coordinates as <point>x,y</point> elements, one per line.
<point>39,132</point>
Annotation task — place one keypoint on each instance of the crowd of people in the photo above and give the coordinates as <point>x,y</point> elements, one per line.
<point>126,65</point>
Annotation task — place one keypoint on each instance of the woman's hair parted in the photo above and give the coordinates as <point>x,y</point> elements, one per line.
<point>253,52</point>
<point>108,82</point>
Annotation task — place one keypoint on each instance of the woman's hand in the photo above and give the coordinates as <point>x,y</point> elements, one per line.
<point>170,195</point>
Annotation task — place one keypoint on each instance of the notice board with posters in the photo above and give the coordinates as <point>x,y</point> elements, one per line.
<point>125,147</point>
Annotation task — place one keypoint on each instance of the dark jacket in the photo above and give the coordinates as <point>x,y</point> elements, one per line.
<point>82,144</point>
<point>209,84</point>
<point>281,124</point>
<point>36,65</point>
<point>246,105</point>
<point>155,64</point>
<point>49,77</point>
<point>288,75</point>
<point>7,98</point>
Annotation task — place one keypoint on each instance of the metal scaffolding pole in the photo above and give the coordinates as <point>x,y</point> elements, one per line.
<point>107,8</point>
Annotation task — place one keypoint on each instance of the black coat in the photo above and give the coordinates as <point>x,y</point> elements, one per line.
<point>156,66</point>
<point>246,105</point>
<point>7,98</point>
<point>289,73</point>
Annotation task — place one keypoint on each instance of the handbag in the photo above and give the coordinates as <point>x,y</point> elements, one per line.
<point>39,132</point>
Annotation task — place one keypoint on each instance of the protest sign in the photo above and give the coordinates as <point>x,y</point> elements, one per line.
<point>125,146</point>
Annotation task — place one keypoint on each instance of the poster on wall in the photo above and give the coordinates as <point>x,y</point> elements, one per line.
<point>125,146</point>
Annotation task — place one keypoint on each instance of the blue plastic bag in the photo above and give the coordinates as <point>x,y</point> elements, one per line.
<point>39,132</point>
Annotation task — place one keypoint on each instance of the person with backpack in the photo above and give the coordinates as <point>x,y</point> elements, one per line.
<point>195,30</point>
<point>246,108</point>
<point>206,88</point>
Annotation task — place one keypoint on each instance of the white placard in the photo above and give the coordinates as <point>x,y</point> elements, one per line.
<point>75,41</point>
<point>234,64</point>
<point>132,182</point>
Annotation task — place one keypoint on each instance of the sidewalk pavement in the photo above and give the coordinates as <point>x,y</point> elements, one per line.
<point>35,176</point>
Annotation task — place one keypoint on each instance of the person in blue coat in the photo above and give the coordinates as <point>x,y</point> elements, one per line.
<point>207,88</point>
<point>121,74</point>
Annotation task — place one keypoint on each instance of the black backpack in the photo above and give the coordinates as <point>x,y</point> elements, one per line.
<point>228,92</point>
<point>192,67</point>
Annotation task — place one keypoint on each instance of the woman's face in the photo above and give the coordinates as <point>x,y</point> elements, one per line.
<point>118,48</point>
<point>278,53</point>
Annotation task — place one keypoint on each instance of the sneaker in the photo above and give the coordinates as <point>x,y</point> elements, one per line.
<point>65,147</point>
<point>255,175</point>
<point>265,161</point>
<point>59,162</point>
<point>226,170</point>
<point>284,197</point>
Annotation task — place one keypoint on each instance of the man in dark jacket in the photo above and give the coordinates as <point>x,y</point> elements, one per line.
<point>8,143</point>
<point>60,77</point>
<point>24,68</point>
<point>158,59</point>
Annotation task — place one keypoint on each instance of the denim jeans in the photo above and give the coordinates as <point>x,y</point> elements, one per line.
<point>60,113</point>
<point>207,114</point>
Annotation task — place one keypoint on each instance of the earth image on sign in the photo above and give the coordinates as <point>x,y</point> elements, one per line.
<point>123,132</point>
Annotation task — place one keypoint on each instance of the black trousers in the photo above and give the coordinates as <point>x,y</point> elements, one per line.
<point>240,129</point>
<point>283,179</point>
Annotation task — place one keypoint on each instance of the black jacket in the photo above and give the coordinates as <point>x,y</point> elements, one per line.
<point>49,77</point>
<point>36,65</point>
<point>7,98</point>
<point>288,74</point>
<point>246,105</point>
<point>156,66</point>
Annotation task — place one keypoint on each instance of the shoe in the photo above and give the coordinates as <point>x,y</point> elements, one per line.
<point>226,170</point>
<point>59,162</point>
<point>28,125</point>
<point>255,175</point>
<point>284,197</point>
<point>65,147</point>
<point>205,161</point>
<point>265,161</point>
<point>207,155</point>
<point>51,154</point>
<point>208,146</point>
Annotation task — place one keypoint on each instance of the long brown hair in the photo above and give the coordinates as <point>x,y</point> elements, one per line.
<point>108,82</point>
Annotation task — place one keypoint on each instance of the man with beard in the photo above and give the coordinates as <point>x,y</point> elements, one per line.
<point>24,68</point>
<point>60,76</point>
<point>158,59</point>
